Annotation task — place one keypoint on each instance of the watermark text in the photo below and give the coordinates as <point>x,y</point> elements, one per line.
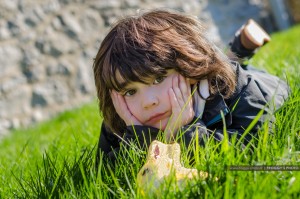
<point>264,168</point>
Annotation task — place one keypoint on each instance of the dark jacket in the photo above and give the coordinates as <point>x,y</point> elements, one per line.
<point>255,91</point>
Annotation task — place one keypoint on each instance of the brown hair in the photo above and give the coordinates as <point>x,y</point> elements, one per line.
<point>142,46</point>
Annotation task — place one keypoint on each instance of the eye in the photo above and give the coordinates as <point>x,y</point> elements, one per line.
<point>129,92</point>
<point>159,79</point>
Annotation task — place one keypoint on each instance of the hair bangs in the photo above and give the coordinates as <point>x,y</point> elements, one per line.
<point>132,66</point>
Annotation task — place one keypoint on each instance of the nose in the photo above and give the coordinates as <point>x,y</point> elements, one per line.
<point>150,99</point>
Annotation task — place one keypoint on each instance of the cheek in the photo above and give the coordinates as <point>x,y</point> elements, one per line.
<point>130,105</point>
<point>133,108</point>
<point>163,93</point>
<point>166,88</point>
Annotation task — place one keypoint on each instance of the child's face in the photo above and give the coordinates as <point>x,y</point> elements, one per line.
<point>150,103</point>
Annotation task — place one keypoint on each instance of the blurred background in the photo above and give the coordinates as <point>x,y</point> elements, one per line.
<point>47,46</point>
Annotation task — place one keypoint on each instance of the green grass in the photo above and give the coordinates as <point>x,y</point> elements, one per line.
<point>55,159</point>
<point>63,137</point>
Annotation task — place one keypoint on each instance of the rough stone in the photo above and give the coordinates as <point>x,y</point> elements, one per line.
<point>31,65</point>
<point>104,5</point>
<point>4,32</point>
<point>50,93</point>
<point>4,126</point>
<point>12,83</point>
<point>84,82</point>
<point>58,44</point>
<point>70,24</point>
<point>59,68</point>
<point>14,102</point>
<point>9,65</point>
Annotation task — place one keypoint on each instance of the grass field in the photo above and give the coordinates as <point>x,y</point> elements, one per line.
<point>55,159</point>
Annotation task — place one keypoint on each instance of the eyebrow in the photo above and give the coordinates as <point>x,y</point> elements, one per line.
<point>122,86</point>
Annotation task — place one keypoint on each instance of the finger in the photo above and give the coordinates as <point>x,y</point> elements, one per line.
<point>176,108</point>
<point>120,105</point>
<point>188,85</point>
<point>189,90</point>
<point>173,99</point>
<point>123,107</point>
<point>184,88</point>
<point>123,110</point>
<point>114,99</point>
<point>177,91</point>
<point>130,119</point>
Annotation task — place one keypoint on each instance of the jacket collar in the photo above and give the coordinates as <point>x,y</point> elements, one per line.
<point>213,111</point>
<point>214,107</point>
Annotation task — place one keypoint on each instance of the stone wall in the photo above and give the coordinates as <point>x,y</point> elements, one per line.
<point>47,48</point>
<point>294,8</point>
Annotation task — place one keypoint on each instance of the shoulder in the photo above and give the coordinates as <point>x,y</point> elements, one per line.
<point>258,86</point>
<point>107,140</point>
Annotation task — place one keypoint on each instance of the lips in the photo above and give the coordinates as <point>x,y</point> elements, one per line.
<point>155,118</point>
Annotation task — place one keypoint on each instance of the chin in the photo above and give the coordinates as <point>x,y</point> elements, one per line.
<point>162,125</point>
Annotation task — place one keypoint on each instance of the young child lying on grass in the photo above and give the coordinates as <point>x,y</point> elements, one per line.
<point>156,72</point>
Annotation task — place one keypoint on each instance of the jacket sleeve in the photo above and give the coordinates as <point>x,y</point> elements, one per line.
<point>202,132</point>
<point>141,135</point>
<point>144,135</point>
<point>189,132</point>
<point>239,50</point>
<point>198,129</point>
<point>258,95</point>
<point>108,144</point>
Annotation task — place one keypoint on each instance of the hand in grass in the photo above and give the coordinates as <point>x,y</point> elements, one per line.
<point>122,109</point>
<point>182,106</point>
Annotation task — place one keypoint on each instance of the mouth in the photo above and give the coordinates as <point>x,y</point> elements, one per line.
<point>157,117</point>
